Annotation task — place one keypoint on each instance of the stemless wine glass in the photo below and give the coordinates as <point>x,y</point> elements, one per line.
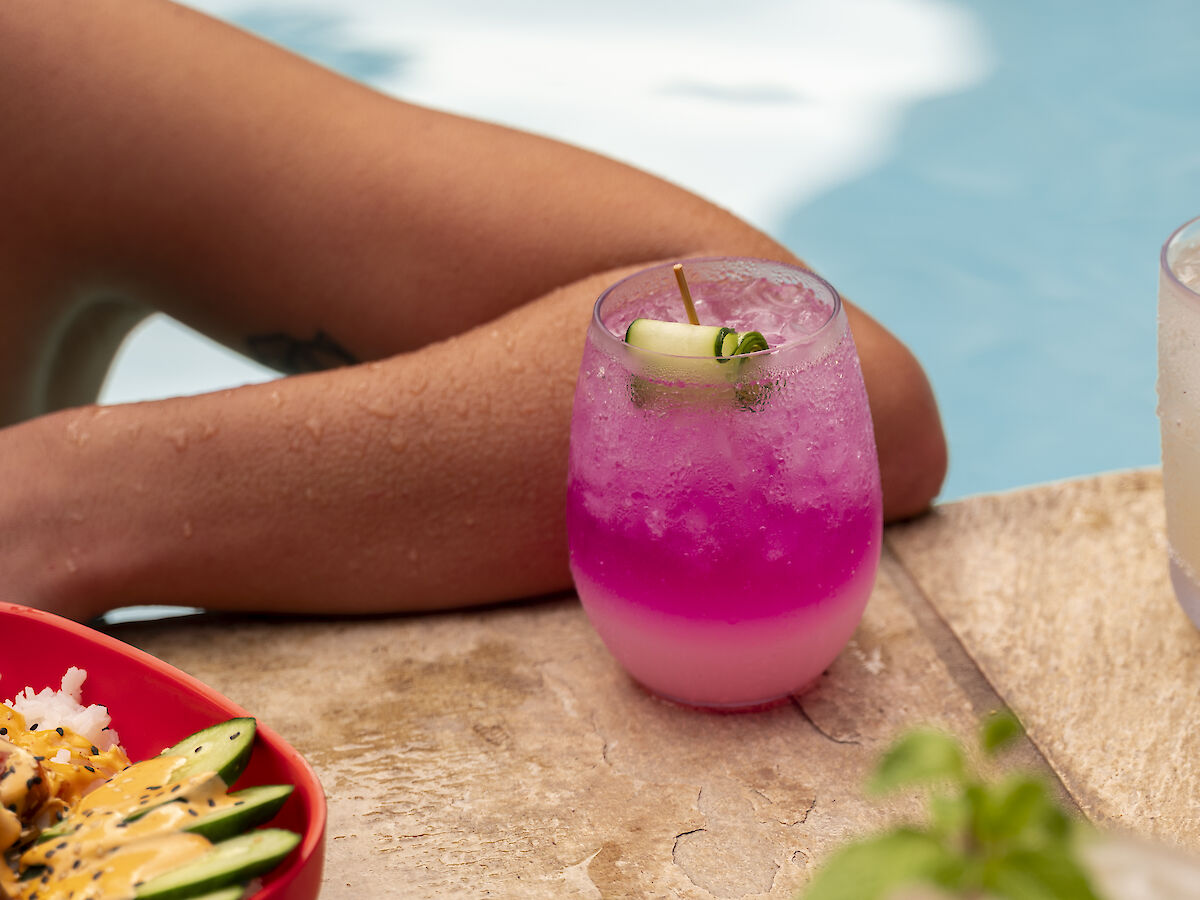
<point>1179,407</point>
<point>724,515</point>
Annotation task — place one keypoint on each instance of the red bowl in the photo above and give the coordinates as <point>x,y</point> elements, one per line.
<point>153,706</point>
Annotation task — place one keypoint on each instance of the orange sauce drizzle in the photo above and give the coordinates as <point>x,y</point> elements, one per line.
<point>119,832</point>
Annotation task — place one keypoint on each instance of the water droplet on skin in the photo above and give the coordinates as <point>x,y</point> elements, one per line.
<point>275,398</point>
<point>315,428</point>
<point>469,521</point>
<point>208,431</point>
<point>380,407</point>
<point>76,433</point>
<point>178,437</point>
<point>71,565</point>
<point>75,516</point>
<point>413,555</point>
<point>188,531</point>
<point>398,441</point>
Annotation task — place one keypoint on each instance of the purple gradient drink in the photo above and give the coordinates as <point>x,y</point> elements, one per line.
<point>724,514</point>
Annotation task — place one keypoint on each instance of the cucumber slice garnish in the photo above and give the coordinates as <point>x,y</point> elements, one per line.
<point>237,892</point>
<point>255,806</point>
<point>699,343</point>
<point>223,748</point>
<point>231,862</point>
<point>750,342</point>
<point>681,338</point>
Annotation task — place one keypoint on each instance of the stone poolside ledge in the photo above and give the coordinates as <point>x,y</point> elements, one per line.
<point>503,753</point>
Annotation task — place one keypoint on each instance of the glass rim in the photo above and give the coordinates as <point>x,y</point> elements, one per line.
<point>1164,264</point>
<point>811,337</point>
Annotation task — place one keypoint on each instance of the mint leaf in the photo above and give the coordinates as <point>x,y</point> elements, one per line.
<point>999,731</point>
<point>919,758</point>
<point>873,868</point>
<point>1014,807</point>
<point>1049,874</point>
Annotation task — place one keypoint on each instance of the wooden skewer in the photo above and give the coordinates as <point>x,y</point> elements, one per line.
<point>687,295</point>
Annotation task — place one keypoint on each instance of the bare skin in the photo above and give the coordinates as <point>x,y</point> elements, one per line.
<point>167,161</point>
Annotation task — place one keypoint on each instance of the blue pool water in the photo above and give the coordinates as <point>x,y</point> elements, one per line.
<point>991,180</point>
<point>1012,235</point>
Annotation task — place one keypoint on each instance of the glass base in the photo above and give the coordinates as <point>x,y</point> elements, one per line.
<point>1187,591</point>
<point>750,706</point>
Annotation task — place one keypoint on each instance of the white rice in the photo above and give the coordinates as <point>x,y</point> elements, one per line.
<point>63,709</point>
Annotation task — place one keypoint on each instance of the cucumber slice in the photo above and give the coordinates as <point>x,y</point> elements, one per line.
<point>682,338</point>
<point>750,342</point>
<point>688,382</point>
<point>237,892</point>
<point>223,748</point>
<point>256,805</point>
<point>230,862</point>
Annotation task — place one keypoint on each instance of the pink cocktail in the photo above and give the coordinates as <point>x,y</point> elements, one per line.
<point>724,515</point>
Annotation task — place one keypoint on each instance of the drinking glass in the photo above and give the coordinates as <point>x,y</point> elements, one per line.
<point>1179,408</point>
<point>724,515</point>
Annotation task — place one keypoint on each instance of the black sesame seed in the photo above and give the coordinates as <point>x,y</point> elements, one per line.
<point>235,735</point>
<point>3,731</point>
<point>61,733</point>
<point>95,750</point>
<point>89,768</point>
<point>33,727</point>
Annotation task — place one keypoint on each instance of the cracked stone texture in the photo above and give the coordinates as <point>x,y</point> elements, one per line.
<point>1061,596</point>
<point>503,753</point>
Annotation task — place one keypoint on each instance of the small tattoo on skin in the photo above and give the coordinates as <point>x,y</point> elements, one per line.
<point>294,356</point>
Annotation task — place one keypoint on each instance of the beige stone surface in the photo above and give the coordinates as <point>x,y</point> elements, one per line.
<point>1060,594</point>
<point>502,752</point>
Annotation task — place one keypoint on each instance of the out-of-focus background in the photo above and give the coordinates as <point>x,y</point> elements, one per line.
<point>991,180</point>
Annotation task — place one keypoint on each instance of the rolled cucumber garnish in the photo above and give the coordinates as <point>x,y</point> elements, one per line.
<point>700,346</point>
<point>682,339</point>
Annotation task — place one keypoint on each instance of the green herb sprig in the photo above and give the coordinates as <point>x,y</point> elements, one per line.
<point>1006,839</point>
